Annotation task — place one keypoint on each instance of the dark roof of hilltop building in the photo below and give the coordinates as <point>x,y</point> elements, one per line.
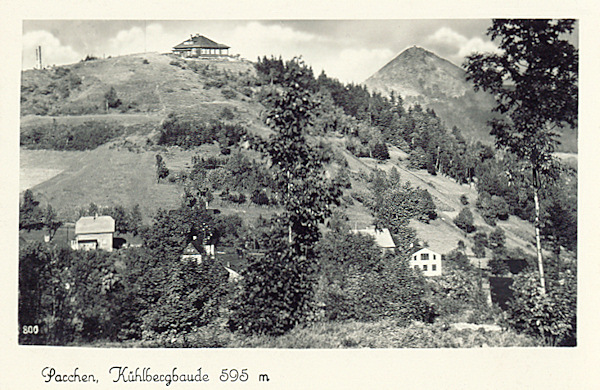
<point>200,42</point>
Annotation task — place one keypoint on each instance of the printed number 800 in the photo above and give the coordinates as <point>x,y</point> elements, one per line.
<point>31,329</point>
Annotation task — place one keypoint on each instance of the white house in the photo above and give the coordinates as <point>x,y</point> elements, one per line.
<point>383,238</point>
<point>93,233</point>
<point>428,261</point>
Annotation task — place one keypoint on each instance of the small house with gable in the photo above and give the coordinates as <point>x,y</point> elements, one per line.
<point>426,260</point>
<point>383,238</point>
<point>200,46</point>
<point>93,233</point>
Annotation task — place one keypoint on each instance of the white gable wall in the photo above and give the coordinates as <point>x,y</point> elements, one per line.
<point>428,261</point>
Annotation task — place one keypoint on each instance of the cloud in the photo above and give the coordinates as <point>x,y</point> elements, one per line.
<point>53,52</point>
<point>135,40</point>
<point>256,39</point>
<point>455,46</point>
<point>356,65</point>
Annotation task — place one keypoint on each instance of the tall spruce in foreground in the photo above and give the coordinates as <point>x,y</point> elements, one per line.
<point>277,289</point>
<point>534,81</point>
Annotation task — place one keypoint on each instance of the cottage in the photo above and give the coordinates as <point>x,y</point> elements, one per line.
<point>200,46</point>
<point>195,250</point>
<point>93,233</point>
<point>383,238</point>
<point>426,260</point>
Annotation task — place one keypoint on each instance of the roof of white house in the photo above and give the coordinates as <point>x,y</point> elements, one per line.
<point>414,251</point>
<point>383,237</point>
<point>97,224</point>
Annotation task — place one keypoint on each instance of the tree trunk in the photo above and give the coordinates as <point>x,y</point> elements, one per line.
<point>538,241</point>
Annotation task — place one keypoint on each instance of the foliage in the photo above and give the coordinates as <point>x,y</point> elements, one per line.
<point>492,208</point>
<point>111,98</point>
<point>192,296</point>
<point>188,132</point>
<point>481,242</point>
<point>380,152</point>
<point>276,291</point>
<point>73,296</point>
<point>534,80</point>
<point>458,259</point>
<point>390,290</point>
<point>551,316</point>
<point>456,291</point>
<point>84,136</point>
<point>161,168</point>
<point>395,207</point>
<point>30,213</point>
<point>497,240</point>
<point>464,220</point>
<point>464,200</point>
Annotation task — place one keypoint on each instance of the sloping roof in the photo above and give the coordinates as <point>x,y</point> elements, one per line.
<point>383,237</point>
<point>418,249</point>
<point>191,249</point>
<point>98,224</point>
<point>200,41</point>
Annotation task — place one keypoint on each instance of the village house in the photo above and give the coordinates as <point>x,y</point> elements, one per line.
<point>426,260</point>
<point>196,251</point>
<point>383,238</point>
<point>200,46</point>
<point>93,233</point>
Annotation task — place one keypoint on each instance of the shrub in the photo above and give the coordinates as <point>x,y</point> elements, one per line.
<point>380,152</point>
<point>393,290</point>
<point>492,208</point>
<point>553,316</point>
<point>111,98</point>
<point>464,220</point>
<point>227,114</point>
<point>190,298</point>
<point>276,292</point>
<point>228,93</point>
<point>457,291</point>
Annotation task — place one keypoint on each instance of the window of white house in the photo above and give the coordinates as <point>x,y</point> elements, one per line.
<point>433,267</point>
<point>433,257</point>
<point>415,257</point>
<point>416,267</point>
<point>424,256</point>
<point>425,267</point>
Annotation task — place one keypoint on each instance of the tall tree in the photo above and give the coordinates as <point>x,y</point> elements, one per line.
<point>277,289</point>
<point>534,81</point>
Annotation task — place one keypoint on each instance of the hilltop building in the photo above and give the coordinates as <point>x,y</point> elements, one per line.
<point>428,261</point>
<point>200,46</point>
<point>383,238</point>
<point>93,233</point>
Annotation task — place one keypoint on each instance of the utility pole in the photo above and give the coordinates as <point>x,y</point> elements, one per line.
<point>38,57</point>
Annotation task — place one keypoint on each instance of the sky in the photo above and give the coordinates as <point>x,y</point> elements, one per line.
<point>350,50</point>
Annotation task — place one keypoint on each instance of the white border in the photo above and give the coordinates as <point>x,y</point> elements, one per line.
<point>545,368</point>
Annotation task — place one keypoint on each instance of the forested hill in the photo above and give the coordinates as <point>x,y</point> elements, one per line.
<point>207,119</point>
<point>420,76</point>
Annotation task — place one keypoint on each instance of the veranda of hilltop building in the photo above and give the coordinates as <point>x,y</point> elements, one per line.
<point>200,46</point>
